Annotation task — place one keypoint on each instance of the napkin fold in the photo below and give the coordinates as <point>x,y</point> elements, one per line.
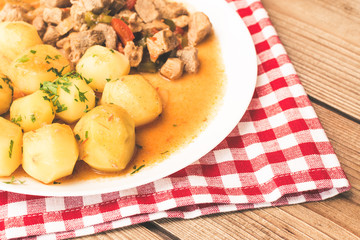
<point>278,154</point>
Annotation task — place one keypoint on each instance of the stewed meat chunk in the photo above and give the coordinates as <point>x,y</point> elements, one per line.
<point>162,42</point>
<point>199,27</point>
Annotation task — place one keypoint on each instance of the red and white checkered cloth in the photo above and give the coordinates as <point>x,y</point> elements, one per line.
<point>278,154</point>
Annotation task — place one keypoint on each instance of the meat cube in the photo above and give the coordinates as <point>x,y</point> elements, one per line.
<point>172,69</point>
<point>40,25</point>
<point>51,35</point>
<point>81,41</point>
<point>55,3</point>
<point>116,6</point>
<point>170,9</point>
<point>96,6</point>
<point>181,21</point>
<point>133,53</point>
<point>162,42</point>
<point>132,18</point>
<point>146,10</point>
<point>109,33</point>
<point>189,55</point>
<point>53,15</point>
<point>154,26</point>
<point>77,13</point>
<point>199,28</point>
<point>12,13</point>
<point>65,26</point>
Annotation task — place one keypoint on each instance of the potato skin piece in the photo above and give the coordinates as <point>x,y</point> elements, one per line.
<point>50,152</point>
<point>6,94</point>
<point>10,147</point>
<point>106,138</point>
<point>136,95</point>
<point>16,37</point>
<point>36,65</point>
<point>77,98</point>
<point>32,111</point>
<point>101,65</point>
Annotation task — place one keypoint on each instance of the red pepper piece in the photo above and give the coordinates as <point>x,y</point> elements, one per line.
<point>123,31</point>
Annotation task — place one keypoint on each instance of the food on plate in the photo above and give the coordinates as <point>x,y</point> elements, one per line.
<point>50,152</point>
<point>32,111</point>
<point>101,65</point>
<point>36,65</point>
<point>16,37</point>
<point>71,95</point>
<point>136,95</point>
<point>106,137</point>
<point>6,94</point>
<point>10,147</point>
<point>80,76</point>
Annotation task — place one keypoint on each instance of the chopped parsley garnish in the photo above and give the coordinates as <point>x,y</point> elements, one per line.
<point>55,182</point>
<point>13,180</point>
<point>17,120</point>
<point>82,96</point>
<point>112,50</point>
<point>77,137</point>
<point>11,148</point>
<point>33,51</point>
<point>164,152</point>
<point>23,59</point>
<point>86,135</point>
<point>108,79</point>
<point>86,109</point>
<point>33,118</point>
<point>137,169</point>
<point>56,71</point>
<point>88,81</point>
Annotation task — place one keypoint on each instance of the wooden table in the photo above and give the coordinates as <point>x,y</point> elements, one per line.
<point>322,38</point>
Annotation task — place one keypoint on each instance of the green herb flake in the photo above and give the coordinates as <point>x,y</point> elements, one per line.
<point>112,50</point>
<point>1,87</point>
<point>137,169</point>
<point>33,51</point>
<point>164,152</point>
<point>11,148</point>
<point>82,96</point>
<point>23,59</point>
<point>55,182</point>
<point>13,180</point>
<point>17,120</point>
<point>108,79</point>
<point>86,135</point>
<point>33,118</point>
<point>86,108</point>
<point>77,137</point>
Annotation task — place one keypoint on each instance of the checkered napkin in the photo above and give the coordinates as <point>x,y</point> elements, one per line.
<point>278,154</point>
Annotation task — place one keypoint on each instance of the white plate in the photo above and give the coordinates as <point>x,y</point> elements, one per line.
<point>240,62</point>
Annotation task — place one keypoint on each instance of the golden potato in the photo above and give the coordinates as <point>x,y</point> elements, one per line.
<point>10,147</point>
<point>101,65</point>
<point>16,37</point>
<point>5,64</point>
<point>50,152</point>
<point>36,65</point>
<point>136,95</point>
<point>6,94</point>
<point>106,137</point>
<point>75,97</point>
<point>32,111</point>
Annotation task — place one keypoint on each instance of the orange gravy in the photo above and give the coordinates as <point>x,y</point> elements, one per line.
<point>188,104</point>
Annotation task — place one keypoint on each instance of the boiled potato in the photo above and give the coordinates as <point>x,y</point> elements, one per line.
<point>50,152</point>
<point>16,37</point>
<point>101,65</point>
<point>5,64</point>
<point>32,111</point>
<point>36,65</point>
<point>6,94</point>
<point>136,95</point>
<point>106,137</point>
<point>10,147</point>
<point>76,97</point>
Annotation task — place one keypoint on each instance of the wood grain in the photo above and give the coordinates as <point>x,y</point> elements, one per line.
<point>322,40</point>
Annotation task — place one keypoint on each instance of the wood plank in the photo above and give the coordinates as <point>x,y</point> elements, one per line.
<point>324,48</point>
<point>136,232</point>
